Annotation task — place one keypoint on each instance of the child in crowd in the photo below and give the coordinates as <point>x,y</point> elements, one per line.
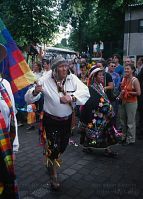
<point>31,116</point>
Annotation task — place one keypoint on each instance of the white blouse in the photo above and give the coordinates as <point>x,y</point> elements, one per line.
<point>45,72</point>
<point>38,75</point>
<point>52,105</point>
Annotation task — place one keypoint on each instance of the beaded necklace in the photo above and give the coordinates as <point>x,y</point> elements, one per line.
<point>96,86</point>
<point>60,87</point>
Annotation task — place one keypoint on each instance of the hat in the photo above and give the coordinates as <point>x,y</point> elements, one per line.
<point>57,61</point>
<point>3,52</point>
<point>93,70</point>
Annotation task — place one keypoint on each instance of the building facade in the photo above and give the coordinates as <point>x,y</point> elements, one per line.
<point>133,32</point>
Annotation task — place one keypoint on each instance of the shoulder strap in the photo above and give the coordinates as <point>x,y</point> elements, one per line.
<point>133,79</point>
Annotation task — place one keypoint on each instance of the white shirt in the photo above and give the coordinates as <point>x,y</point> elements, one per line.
<point>45,72</point>
<point>101,46</point>
<point>95,48</point>
<point>38,75</point>
<point>6,113</point>
<point>52,105</point>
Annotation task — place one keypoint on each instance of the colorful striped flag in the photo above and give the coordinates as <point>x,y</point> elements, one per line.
<point>16,70</point>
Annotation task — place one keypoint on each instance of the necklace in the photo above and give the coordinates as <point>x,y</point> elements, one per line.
<point>100,90</point>
<point>60,85</point>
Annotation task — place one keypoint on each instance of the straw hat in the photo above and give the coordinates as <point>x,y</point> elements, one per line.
<point>94,70</point>
<point>3,52</point>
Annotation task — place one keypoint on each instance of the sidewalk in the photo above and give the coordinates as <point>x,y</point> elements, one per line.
<point>82,175</point>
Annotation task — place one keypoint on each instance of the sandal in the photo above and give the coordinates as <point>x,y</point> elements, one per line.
<point>55,185</point>
<point>110,154</point>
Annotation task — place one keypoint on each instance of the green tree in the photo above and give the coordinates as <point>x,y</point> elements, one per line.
<point>77,13</point>
<point>30,20</point>
<point>95,20</point>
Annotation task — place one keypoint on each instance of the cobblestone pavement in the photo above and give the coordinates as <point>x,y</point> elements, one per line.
<point>82,175</point>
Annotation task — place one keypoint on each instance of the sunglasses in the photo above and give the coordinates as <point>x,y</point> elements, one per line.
<point>113,66</point>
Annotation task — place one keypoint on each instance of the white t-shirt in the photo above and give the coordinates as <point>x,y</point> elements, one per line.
<point>95,48</point>
<point>101,46</point>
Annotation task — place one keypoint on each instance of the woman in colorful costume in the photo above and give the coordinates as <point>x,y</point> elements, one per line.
<point>8,137</point>
<point>97,116</point>
<point>62,91</point>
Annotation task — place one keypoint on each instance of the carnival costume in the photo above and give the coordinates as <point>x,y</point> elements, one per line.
<point>8,186</point>
<point>8,137</point>
<point>57,116</point>
<point>97,119</point>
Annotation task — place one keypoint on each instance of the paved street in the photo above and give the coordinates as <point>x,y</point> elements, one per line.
<point>82,175</point>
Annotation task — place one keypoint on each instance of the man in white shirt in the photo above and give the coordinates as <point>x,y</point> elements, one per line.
<point>62,91</point>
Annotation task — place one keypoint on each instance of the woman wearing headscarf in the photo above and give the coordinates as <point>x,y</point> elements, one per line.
<point>97,116</point>
<point>8,137</point>
<point>62,91</point>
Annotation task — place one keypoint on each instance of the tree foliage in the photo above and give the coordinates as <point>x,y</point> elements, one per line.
<point>77,13</point>
<point>91,20</point>
<point>95,20</point>
<point>30,20</point>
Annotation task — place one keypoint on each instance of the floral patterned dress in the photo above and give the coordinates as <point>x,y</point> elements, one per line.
<point>97,118</point>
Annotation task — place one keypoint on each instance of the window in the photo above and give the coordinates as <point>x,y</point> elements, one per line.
<point>141,25</point>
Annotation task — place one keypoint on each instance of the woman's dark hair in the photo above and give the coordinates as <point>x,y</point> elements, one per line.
<point>118,56</point>
<point>111,62</point>
<point>132,67</point>
<point>108,60</point>
<point>39,65</point>
<point>103,62</point>
<point>141,59</point>
<point>46,60</point>
<point>95,75</point>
